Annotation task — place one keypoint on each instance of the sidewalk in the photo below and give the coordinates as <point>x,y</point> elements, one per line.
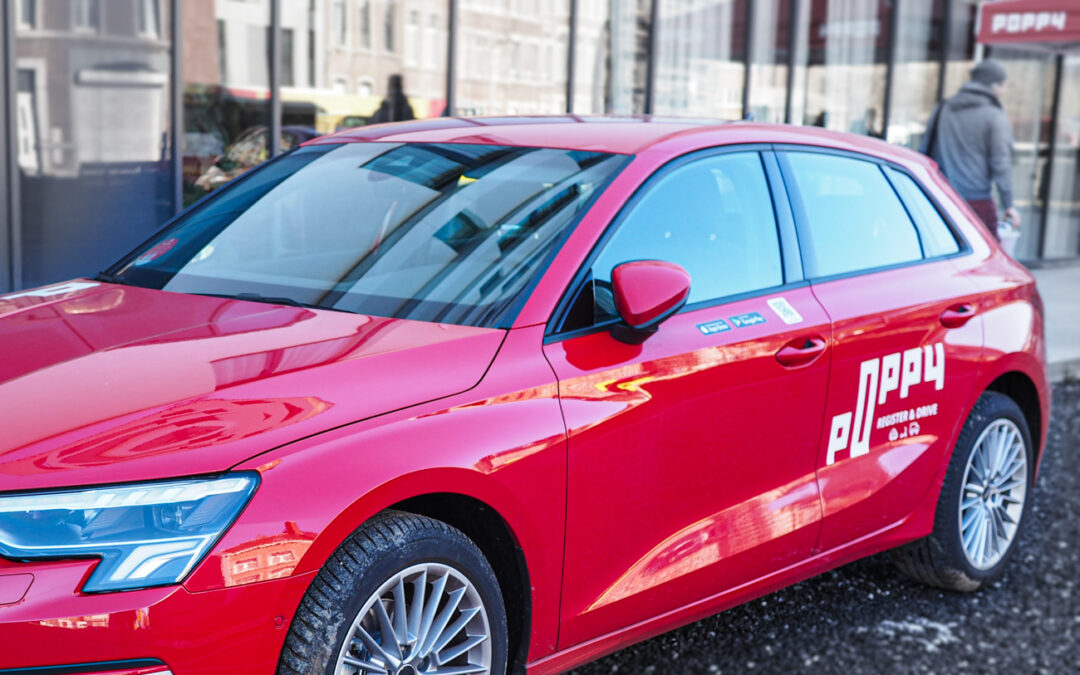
<point>1060,289</point>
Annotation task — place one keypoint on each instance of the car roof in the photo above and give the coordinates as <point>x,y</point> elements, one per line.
<point>622,135</point>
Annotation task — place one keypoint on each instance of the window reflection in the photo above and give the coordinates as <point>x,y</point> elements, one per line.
<point>92,134</point>
<point>226,92</point>
<point>700,71</point>
<point>612,57</point>
<point>1063,215</point>
<point>773,21</point>
<point>506,58</point>
<point>847,59</point>
<point>916,70</point>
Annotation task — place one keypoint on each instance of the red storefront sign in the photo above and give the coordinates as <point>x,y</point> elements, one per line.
<point>1051,24</point>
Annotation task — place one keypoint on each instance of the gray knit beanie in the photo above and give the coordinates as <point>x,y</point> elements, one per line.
<point>989,72</point>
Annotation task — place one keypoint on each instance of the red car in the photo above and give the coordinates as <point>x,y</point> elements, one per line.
<point>475,396</point>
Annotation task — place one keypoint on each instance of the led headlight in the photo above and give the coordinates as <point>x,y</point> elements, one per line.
<point>149,534</point>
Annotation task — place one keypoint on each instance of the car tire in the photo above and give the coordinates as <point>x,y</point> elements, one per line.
<point>995,438</point>
<point>383,565</point>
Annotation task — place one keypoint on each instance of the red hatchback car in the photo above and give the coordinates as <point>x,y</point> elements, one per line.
<point>477,396</point>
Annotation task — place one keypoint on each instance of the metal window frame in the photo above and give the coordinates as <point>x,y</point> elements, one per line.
<point>794,27</point>
<point>571,56</point>
<point>650,60</point>
<point>275,78</point>
<point>1048,178</point>
<point>451,57</point>
<point>176,107</point>
<point>748,56</point>
<point>890,68</point>
<point>11,241</point>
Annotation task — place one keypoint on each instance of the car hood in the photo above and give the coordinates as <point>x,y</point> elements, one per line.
<point>105,383</point>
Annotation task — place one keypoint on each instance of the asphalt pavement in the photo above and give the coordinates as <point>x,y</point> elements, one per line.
<point>867,618</point>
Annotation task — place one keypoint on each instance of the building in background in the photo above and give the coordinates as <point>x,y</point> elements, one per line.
<point>119,113</point>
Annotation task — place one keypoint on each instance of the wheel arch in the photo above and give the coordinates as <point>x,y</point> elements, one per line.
<point>487,528</point>
<point>1020,387</point>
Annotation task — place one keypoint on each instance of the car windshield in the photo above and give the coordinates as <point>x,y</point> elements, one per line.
<point>436,232</point>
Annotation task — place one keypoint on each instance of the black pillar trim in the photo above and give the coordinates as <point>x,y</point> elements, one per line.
<point>571,57</point>
<point>890,66</point>
<point>275,78</point>
<point>1059,67</point>
<point>650,65</point>
<point>946,45</point>
<point>13,236</point>
<point>748,57</point>
<point>176,108</point>
<point>451,57</point>
<point>794,26</point>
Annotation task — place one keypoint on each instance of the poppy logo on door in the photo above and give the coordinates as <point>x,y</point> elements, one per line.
<point>878,377</point>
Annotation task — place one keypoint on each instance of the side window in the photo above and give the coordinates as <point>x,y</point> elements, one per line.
<point>855,218</point>
<point>713,216</point>
<point>937,238</point>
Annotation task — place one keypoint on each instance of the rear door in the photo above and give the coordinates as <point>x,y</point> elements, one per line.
<point>906,331</point>
<point>692,455</point>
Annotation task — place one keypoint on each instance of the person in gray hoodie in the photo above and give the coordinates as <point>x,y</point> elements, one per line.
<point>970,138</point>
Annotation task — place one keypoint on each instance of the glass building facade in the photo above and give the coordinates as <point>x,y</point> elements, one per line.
<point>119,113</point>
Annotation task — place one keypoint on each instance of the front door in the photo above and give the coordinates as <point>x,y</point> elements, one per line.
<point>692,455</point>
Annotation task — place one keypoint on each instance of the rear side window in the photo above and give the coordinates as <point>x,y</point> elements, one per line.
<point>937,238</point>
<point>714,216</point>
<point>855,218</point>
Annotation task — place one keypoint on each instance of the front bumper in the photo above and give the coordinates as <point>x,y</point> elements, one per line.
<point>231,630</point>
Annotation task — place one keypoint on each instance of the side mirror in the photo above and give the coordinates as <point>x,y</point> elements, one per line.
<point>646,293</point>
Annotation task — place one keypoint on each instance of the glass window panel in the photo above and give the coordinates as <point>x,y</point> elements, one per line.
<point>91,115</point>
<point>1063,215</point>
<point>499,56</point>
<point>714,217</point>
<point>937,238</point>
<point>226,92</point>
<point>847,58</point>
<point>1028,101</point>
<point>961,54</point>
<point>917,69</point>
<point>611,57</point>
<point>769,59</point>
<point>700,58</point>
<point>855,219</point>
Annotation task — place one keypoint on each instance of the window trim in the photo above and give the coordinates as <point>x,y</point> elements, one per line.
<point>154,28</point>
<point>806,244</point>
<point>21,21</point>
<point>89,28</point>
<point>553,331</point>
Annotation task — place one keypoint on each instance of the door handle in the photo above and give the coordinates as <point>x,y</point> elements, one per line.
<point>957,315</point>
<point>801,351</point>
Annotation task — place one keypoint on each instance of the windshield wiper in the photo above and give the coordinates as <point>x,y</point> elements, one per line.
<point>271,300</point>
<point>255,297</point>
<point>111,278</point>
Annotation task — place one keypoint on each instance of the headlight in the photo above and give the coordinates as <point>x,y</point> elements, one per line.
<point>150,534</point>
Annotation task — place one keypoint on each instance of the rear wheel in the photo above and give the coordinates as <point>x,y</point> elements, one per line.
<point>983,501</point>
<point>405,595</point>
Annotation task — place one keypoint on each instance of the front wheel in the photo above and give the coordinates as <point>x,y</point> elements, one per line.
<point>404,595</point>
<point>982,504</point>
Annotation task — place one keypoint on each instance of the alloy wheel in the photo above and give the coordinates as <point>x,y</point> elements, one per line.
<point>994,488</point>
<point>427,619</point>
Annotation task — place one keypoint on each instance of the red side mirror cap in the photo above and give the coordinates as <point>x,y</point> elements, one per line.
<point>646,293</point>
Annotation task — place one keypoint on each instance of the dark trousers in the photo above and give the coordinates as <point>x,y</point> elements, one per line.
<point>987,212</point>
